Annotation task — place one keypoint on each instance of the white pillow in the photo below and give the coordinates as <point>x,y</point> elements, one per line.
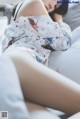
<point>67,62</point>
<point>11,97</point>
<point>72,18</point>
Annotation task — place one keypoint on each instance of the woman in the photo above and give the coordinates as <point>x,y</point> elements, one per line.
<point>28,40</point>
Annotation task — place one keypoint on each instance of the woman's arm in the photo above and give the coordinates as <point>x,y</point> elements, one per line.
<point>63,41</point>
<point>32,8</point>
<point>58,18</point>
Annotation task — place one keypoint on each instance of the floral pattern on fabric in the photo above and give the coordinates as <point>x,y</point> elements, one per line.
<point>38,33</point>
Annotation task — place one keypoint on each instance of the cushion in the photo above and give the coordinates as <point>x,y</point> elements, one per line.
<point>72,18</point>
<point>75,116</point>
<point>67,62</point>
<point>11,97</point>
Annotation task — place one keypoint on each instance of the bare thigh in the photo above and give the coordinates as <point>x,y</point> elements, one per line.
<point>44,86</point>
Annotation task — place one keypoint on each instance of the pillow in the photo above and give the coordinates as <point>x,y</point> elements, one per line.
<point>67,62</point>
<point>11,97</point>
<point>72,18</point>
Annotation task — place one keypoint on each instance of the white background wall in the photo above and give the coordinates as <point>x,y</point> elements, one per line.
<point>7,1</point>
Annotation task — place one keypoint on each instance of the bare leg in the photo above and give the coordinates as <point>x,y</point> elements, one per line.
<point>44,86</point>
<point>39,112</point>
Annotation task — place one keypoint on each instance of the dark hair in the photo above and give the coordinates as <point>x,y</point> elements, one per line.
<point>62,10</point>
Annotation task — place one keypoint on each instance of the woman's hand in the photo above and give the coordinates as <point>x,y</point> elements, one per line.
<point>58,18</point>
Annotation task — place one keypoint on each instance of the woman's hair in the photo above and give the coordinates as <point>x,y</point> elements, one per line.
<point>62,10</point>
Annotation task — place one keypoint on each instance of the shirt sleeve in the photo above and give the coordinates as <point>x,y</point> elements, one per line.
<point>57,35</point>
